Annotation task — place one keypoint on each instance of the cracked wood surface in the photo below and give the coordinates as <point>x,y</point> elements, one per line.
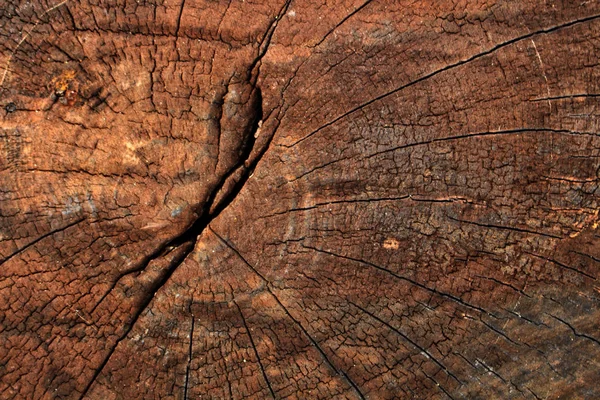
<point>299,199</point>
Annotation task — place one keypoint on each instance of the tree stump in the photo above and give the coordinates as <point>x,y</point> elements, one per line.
<point>306,199</point>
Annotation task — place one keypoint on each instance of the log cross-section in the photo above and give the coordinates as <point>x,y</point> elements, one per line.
<point>341,199</point>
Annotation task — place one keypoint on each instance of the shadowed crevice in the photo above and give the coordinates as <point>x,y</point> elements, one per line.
<point>216,202</point>
<point>186,242</point>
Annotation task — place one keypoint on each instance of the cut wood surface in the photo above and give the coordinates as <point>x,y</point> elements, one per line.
<point>312,199</point>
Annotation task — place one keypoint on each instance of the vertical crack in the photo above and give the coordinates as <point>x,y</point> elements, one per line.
<point>266,39</point>
<point>262,368</point>
<point>187,370</point>
<point>178,24</point>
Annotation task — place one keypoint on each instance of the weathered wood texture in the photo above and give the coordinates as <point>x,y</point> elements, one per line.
<point>303,199</point>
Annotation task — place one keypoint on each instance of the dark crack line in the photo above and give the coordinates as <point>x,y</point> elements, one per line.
<point>188,239</point>
<point>365,200</point>
<point>510,228</point>
<point>222,18</point>
<point>447,68</point>
<point>470,135</point>
<point>192,233</point>
<point>491,371</point>
<point>216,122</point>
<point>138,268</point>
<point>351,201</point>
<point>178,25</point>
<point>190,351</point>
<point>414,344</point>
<point>505,381</point>
<point>187,249</point>
<point>266,40</point>
<point>521,316</point>
<point>586,255</point>
<point>502,334</point>
<point>468,362</point>
<point>366,3</point>
<point>339,371</point>
<point>162,251</point>
<point>567,96</point>
<point>533,393</point>
<point>405,279</point>
<point>39,239</point>
<point>310,171</point>
<point>516,289</point>
<point>315,344</point>
<point>262,367</point>
<point>437,384</point>
<point>552,261</point>
<point>577,334</point>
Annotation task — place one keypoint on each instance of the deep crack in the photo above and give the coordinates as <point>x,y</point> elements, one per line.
<point>215,203</point>
<point>186,241</point>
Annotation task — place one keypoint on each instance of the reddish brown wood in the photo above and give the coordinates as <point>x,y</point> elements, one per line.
<point>299,199</point>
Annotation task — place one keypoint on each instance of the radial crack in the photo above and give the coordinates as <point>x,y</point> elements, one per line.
<point>266,40</point>
<point>577,334</point>
<point>262,367</point>
<point>39,239</point>
<point>469,135</point>
<point>403,278</point>
<point>187,369</point>
<point>346,18</point>
<point>186,241</point>
<point>409,340</point>
<point>447,68</point>
<point>315,344</point>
